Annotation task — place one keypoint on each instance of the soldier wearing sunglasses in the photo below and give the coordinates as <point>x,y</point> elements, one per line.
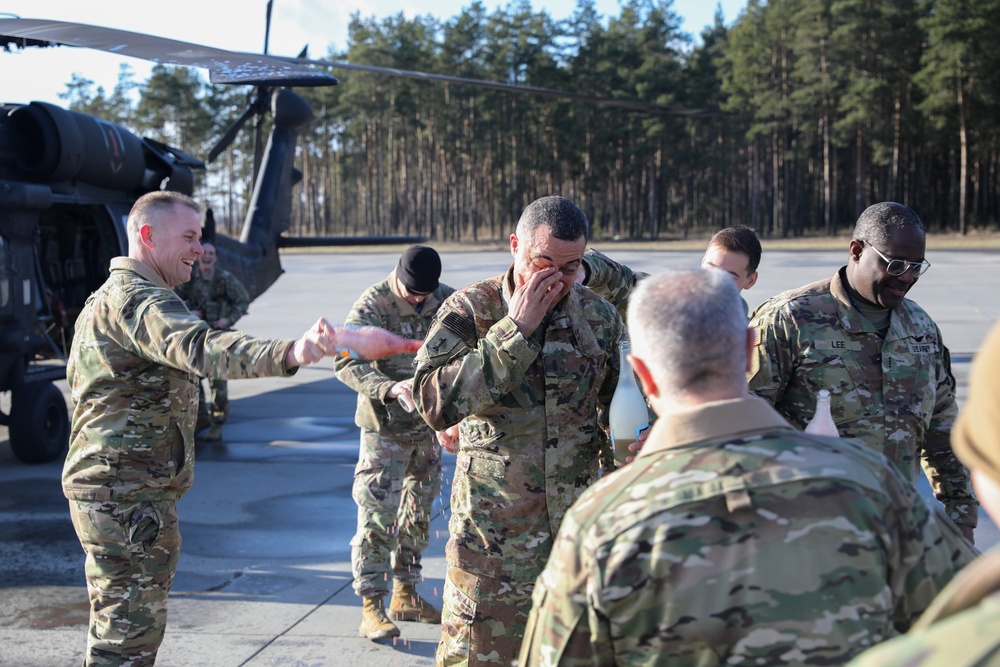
<point>879,354</point>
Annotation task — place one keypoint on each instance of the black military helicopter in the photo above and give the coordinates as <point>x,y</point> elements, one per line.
<point>68,181</point>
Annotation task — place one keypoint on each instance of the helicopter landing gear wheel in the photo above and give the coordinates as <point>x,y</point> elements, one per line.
<point>39,423</point>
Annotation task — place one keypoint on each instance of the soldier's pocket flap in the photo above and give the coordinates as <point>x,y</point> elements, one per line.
<point>484,467</point>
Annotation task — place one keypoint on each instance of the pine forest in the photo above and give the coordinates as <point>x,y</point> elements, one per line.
<point>807,112</point>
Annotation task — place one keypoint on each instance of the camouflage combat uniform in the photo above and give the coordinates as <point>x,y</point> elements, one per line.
<point>734,539</point>
<point>958,630</point>
<point>221,296</point>
<point>398,475</point>
<point>897,395</point>
<point>610,279</point>
<point>531,413</point>
<point>133,370</point>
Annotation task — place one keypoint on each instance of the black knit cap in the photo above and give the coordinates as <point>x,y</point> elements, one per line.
<point>419,269</point>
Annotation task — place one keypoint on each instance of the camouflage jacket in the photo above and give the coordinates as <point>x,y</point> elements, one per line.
<point>221,296</point>
<point>959,629</point>
<point>735,540</point>
<point>382,306</point>
<point>532,413</point>
<point>610,279</point>
<point>897,395</point>
<point>133,370</point>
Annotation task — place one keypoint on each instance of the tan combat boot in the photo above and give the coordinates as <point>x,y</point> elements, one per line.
<point>407,605</point>
<point>374,623</point>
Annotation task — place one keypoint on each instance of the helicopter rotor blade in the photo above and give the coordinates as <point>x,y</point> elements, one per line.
<point>270,70</point>
<point>223,66</point>
<point>635,105</point>
<point>234,129</point>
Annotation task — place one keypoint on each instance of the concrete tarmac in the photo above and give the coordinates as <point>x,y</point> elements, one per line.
<point>264,576</point>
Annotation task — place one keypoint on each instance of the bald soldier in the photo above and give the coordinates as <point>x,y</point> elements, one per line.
<point>962,626</point>
<point>133,370</point>
<point>527,361</point>
<point>733,538</point>
<point>879,354</point>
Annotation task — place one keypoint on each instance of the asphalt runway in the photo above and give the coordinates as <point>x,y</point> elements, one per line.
<point>264,576</point>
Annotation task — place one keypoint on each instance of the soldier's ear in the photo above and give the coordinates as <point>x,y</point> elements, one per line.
<point>646,381</point>
<point>855,249</point>
<point>146,235</point>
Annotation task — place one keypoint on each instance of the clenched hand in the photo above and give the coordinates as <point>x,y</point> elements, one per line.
<point>316,343</point>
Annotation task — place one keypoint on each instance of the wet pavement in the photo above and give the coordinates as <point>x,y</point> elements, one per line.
<point>264,576</point>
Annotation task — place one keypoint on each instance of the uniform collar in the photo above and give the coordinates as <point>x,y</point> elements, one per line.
<point>143,269</point>
<point>712,421</point>
<point>901,325</point>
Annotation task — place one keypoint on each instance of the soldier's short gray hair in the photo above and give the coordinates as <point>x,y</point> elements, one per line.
<point>880,222</point>
<point>689,327</point>
<point>150,207</point>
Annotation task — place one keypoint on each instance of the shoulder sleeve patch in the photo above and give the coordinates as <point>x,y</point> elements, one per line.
<point>462,327</point>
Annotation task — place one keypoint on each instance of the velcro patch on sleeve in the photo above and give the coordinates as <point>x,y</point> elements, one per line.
<point>462,327</point>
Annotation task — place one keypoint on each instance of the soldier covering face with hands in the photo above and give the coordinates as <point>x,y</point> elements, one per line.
<point>527,362</point>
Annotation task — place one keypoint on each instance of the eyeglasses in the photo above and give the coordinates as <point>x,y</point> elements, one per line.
<point>897,267</point>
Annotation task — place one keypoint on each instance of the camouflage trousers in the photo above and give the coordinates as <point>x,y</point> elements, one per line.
<point>132,551</point>
<point>395,484</point>
<point>216,405</point>
<point>483,619</point>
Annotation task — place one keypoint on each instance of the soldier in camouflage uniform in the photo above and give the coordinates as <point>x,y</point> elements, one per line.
<point>218,297</point>
<point>879,354</point>
<point>962,627</point>
<point>732,539</point>
<point>527,363</point>
<point>133,370</point>
<point>398,475</point>
<point>737,251</point>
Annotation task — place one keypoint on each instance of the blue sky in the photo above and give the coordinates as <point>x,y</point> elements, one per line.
<point>41,74</point>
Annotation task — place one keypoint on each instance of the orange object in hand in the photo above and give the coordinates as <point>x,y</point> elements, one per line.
<point>368,342</point>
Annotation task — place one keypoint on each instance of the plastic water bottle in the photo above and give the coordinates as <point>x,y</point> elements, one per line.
<point>627,415</point>
<point>822,422</point>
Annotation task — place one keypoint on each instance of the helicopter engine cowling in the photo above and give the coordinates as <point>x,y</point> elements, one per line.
<point>55,145</point>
